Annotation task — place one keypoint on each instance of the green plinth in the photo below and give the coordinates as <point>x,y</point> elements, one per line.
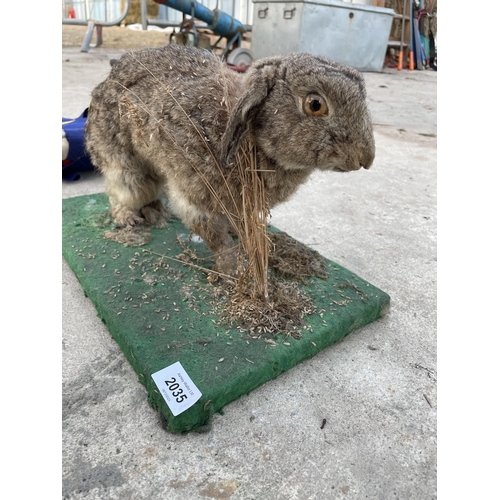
<point>161,311</point>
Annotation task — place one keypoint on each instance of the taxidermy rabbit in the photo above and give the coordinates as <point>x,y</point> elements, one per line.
<point>173,119</point>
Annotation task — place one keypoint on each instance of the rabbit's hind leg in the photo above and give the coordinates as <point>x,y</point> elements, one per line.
<point>156,213</point>
<point>134,193</point>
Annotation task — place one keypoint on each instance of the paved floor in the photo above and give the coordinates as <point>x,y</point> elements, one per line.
<point>376,389</point>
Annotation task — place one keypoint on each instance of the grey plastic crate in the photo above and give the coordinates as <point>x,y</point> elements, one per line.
<point>352,34</point>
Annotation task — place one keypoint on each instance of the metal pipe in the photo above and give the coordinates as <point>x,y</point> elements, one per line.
<point>144,14</point>
<point>219,22</point>
<point>84,22</point>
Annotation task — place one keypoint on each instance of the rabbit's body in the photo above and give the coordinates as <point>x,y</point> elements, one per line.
<point>173,118</point>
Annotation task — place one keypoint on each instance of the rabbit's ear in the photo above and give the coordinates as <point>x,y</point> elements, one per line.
<point>257,84</point>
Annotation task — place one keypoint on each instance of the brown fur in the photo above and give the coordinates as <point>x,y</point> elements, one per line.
<point>173,118</point>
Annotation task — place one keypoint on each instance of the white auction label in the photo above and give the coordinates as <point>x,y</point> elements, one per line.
<point>177,388</point>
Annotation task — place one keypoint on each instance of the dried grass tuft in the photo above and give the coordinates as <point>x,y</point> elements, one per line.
<point>294,260</point>
<point>282,312</point>
<point>251,227</point>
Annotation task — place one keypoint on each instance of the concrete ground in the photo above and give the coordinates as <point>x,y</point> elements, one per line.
<point>376,389</point>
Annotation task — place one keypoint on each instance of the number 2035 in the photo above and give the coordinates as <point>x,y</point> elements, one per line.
<point>176,390</point>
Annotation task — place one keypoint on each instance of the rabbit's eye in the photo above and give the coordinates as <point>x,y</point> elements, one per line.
<point>315,105</point>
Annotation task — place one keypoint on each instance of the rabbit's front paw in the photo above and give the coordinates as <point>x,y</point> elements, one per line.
<point>226,262</point>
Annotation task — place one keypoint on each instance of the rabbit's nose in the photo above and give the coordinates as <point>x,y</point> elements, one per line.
<point>367,161</point>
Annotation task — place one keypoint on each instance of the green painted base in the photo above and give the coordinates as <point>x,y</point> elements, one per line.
<point>160,311</point>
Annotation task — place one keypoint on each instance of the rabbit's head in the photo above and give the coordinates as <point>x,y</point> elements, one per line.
<point>304,112</point>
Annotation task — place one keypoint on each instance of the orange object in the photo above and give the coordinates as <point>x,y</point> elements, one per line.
<point>400,61</point>
<point>72,13</point>
<point>412,66</point>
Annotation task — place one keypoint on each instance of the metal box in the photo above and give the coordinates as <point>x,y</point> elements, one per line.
<point>351,34</point>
